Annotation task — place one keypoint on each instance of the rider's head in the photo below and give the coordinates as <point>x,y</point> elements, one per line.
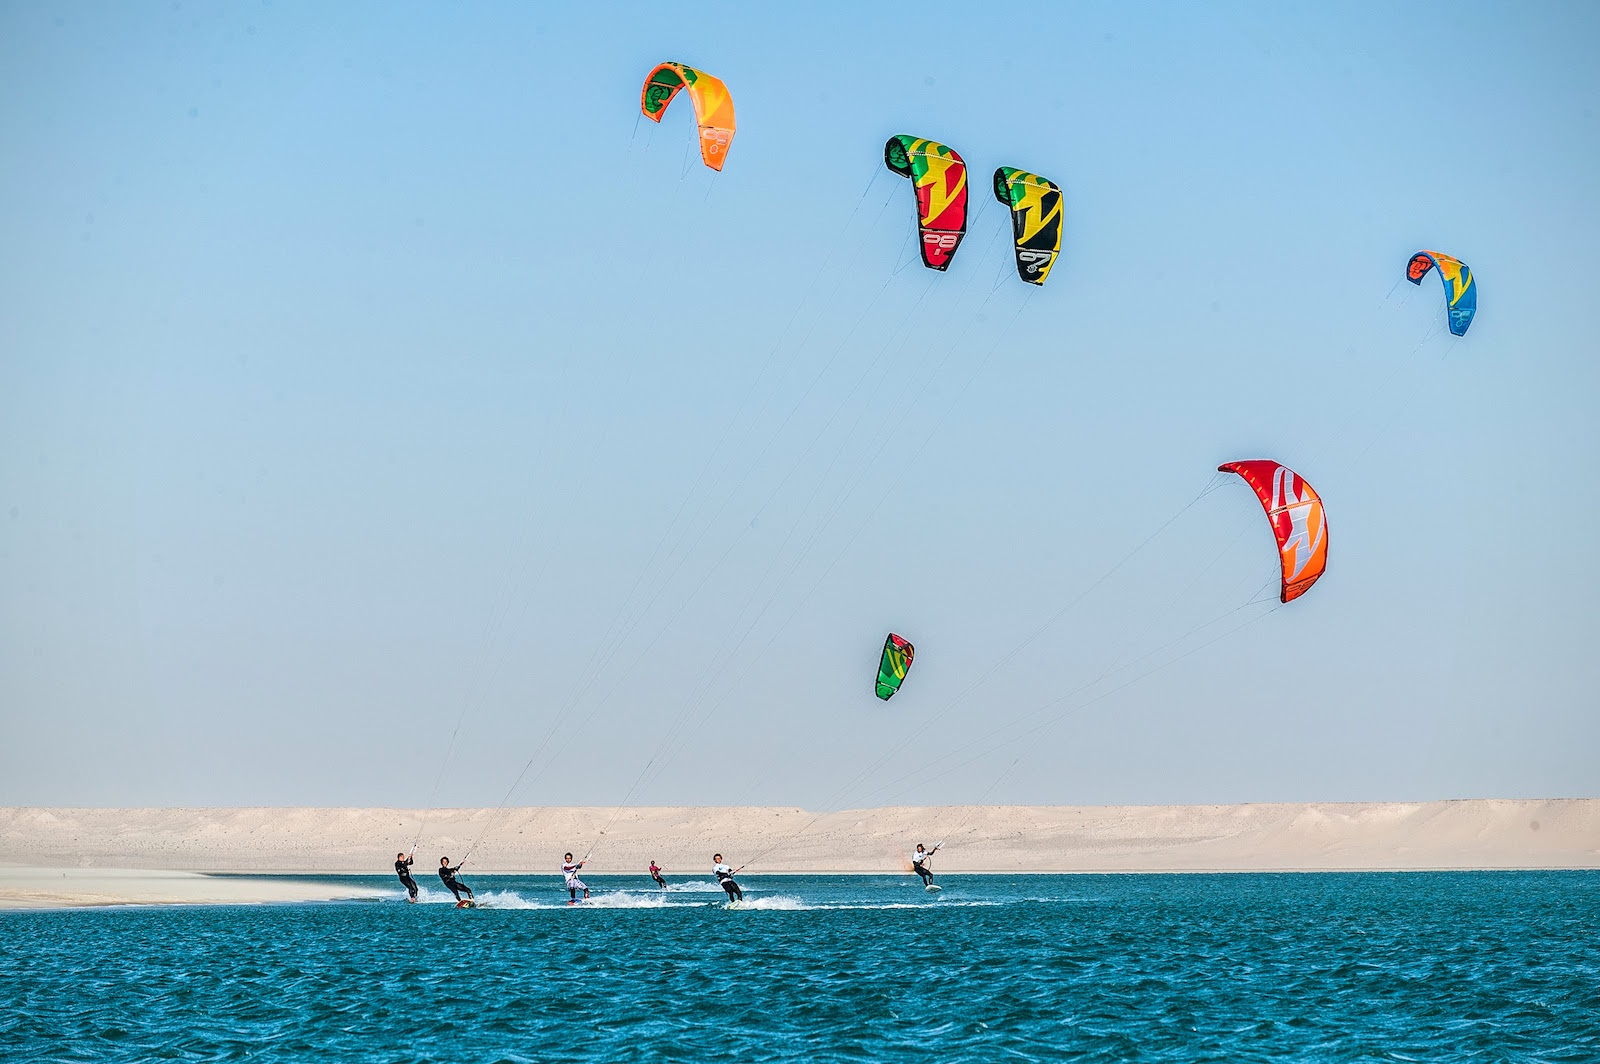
<point>569,857</point>
<point>717,857</point>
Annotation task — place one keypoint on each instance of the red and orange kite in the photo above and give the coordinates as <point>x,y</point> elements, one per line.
<point>1295,510</point>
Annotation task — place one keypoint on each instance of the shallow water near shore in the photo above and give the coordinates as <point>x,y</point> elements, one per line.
<point>1313,967</point>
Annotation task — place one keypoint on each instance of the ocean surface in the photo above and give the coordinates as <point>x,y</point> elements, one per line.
<point>1311,967</point>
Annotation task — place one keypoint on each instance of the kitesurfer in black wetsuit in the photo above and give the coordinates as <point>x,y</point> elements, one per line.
<point>724,876</point>
<point>402,868</point>
<point>448,874</point>
<point>919,863</point>
<point>655,874</point>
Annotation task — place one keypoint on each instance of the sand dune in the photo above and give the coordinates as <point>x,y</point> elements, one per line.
<point>1477,833</point>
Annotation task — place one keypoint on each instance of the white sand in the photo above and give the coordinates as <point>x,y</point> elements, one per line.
<point>54,888</point>
<point>1478,833</point>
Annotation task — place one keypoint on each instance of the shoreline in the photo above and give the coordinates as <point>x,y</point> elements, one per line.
<point>24,889</point>
<point>879,872</point>
<point>35,889</point>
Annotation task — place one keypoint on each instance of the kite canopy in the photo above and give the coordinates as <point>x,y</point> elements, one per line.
<point>940,178</point>
<point>1035,220</point>
<point>1459,288</point>
<point>1295,511</point>
<point>897,654</point>
<point>713,107</point>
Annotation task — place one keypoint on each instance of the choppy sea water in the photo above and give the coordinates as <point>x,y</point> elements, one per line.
<point>1310,967</point>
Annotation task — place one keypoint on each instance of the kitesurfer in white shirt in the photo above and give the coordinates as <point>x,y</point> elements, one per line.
<point>574,884</point>
<point>724,876</point>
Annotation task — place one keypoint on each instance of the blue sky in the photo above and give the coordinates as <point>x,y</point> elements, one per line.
<point>361,369</point>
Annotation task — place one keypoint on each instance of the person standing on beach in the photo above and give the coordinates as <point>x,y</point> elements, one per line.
<point>725,876</point>
<point>574,884</point>
<point>655,874</point>
<point>402,868</point>
<point>448,874</point>
<point>919,863</point>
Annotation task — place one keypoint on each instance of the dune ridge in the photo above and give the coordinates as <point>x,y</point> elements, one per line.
<point>1459,834</point>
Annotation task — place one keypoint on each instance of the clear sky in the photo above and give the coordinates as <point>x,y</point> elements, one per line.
<point>363,367</point>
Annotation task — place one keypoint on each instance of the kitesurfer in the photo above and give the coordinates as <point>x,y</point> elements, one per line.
<point>725,876</point>
<point>574,884</point>
<point>919,863</point>
<point>655,874</point>
<point>402,868</point>
<point>448,874</point>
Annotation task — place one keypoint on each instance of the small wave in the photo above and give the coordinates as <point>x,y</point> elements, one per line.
<point>911,905</point>
<point>694,886</point>
<point>784,903</point>
<point>776,903</point>
<point>628,899</point>
<point>618,899</point>
<point>624,901</point>
<point>506,899</point>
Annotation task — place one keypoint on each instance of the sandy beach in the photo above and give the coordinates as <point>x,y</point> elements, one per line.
<point>60,888</point>
<point>68,856</point>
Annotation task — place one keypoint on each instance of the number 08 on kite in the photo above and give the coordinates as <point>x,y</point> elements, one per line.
<point>713,107</point>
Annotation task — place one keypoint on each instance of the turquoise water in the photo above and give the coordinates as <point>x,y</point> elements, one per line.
<point>1322,967</point>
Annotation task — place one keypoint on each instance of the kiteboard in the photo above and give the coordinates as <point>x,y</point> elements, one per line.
<point>466,903</point>
<point>931,889</point>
